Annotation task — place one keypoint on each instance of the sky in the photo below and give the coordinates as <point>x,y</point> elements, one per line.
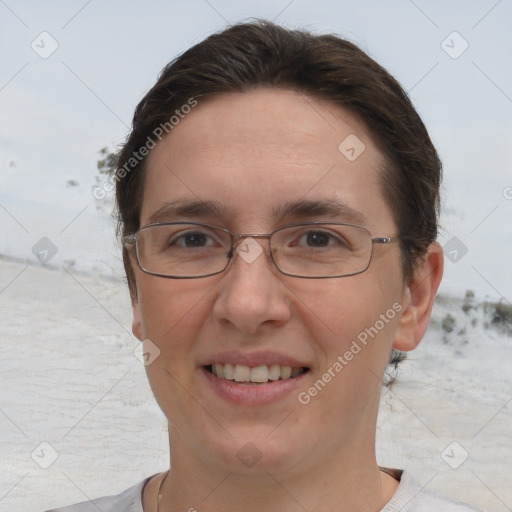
<point>72,73</point>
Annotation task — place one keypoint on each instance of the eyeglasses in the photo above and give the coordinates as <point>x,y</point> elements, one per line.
<point>311,250</point>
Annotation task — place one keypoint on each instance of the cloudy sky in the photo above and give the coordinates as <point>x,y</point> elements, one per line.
<point>72,72</point>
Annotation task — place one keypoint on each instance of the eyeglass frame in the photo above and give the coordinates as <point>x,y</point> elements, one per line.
<point>132,240</point>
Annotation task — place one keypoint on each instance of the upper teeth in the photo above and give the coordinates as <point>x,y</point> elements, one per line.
<point>243,373</point>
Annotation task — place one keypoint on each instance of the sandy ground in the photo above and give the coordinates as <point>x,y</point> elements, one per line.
<point>70,380</point>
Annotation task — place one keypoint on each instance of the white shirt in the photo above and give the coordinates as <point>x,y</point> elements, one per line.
<point>409,497</point>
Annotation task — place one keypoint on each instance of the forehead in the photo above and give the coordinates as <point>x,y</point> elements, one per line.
<point>254,152</point>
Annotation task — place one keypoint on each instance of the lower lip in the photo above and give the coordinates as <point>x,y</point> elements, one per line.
<point>252,394</point>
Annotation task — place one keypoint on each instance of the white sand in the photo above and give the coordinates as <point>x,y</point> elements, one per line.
<point>69,378</point>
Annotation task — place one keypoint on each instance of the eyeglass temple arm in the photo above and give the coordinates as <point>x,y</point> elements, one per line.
<point>385,240</point>
<point>129,239</point>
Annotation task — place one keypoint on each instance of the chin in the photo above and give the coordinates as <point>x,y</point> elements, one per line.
<point>252,452</point>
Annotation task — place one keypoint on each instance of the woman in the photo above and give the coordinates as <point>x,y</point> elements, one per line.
<point>278,200</point>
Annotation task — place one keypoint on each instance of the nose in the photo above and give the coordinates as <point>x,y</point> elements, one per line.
<point>252,294</point>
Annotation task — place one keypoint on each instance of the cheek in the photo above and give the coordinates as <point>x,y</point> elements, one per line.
<point>172,313</point>
<point>346,306</point>
<point>169,307</point>
<point>353,318</point>
<point>353,326</point>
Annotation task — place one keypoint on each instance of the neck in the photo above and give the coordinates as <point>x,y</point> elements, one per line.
<point>332,485</point>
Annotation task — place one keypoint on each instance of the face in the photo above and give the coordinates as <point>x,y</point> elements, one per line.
<point>253,154</point>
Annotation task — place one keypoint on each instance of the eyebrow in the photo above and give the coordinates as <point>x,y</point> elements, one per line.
<point>332,208</point>
<point>186,208</point>
<point>297,210</point>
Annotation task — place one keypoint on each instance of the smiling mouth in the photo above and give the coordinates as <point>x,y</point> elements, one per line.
<point>262,374</point>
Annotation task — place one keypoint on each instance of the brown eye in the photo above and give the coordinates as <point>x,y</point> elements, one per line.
<point>194,239</point>
<point>317,239</point>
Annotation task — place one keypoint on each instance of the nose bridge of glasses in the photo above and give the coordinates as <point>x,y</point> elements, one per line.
<point>241,245</point>
<point>239,238</point>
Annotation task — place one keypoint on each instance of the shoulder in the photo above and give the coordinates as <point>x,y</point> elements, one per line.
<point>411,497</point>
<point>129,500</point>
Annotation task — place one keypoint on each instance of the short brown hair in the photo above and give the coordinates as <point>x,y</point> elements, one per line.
<point>260,53</point>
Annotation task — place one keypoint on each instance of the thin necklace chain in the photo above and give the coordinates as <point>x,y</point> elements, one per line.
<point>159,496</point>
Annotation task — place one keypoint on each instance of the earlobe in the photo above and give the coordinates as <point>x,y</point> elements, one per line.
<point>418,299</point>
<point>137,321</point>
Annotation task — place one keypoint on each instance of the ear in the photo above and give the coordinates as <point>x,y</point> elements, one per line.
<point>137,321</point>
<point>418,299</point>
